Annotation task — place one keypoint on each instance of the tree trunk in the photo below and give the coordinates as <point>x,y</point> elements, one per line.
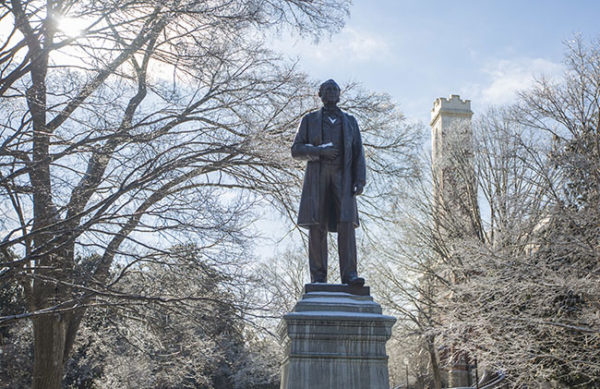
<point>50,335</point>
<point>435,367</point>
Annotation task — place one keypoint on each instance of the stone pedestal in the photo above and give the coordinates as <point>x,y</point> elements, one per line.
<point>335,339</point>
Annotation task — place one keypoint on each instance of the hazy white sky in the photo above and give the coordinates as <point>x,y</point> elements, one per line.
<point>419,50</point>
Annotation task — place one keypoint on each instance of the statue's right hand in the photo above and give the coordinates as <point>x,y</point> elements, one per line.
<point>329,153</point>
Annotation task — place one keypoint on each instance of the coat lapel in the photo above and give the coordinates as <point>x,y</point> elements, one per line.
<point>316,135</point>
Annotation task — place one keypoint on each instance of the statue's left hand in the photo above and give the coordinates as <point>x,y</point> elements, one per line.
<point>357,189</point>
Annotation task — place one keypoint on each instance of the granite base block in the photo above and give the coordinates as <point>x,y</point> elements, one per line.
<point>335,338</point>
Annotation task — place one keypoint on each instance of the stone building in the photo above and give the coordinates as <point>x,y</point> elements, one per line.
<point>455,189</point>
<point>456,212</point>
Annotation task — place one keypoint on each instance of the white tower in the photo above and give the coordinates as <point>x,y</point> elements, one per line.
<point>456,213</point>
<point>449,118</point>
<point>455,190</point>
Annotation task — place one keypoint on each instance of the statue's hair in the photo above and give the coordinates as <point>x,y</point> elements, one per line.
<point>330,81</point>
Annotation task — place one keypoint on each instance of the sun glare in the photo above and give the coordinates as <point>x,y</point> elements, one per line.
<point>71,27</point>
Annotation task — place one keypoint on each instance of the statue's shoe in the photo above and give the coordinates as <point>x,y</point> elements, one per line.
<point>354,281</point>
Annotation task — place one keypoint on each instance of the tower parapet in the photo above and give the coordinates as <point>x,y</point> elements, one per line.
<point>453,106</point>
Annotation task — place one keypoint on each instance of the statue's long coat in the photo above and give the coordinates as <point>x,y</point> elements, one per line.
<point>304,147</point>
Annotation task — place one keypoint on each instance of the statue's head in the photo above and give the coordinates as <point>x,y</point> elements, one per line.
<point>329,92</point>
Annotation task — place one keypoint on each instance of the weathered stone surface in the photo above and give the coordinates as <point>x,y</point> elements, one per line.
<point>335,340</point>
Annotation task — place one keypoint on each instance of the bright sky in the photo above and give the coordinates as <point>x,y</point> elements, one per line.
<point>418,50</point>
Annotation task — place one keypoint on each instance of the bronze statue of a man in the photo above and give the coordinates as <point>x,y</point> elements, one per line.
<point>329,140</point>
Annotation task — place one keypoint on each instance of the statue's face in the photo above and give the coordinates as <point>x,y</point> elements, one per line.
<point>329,93</point>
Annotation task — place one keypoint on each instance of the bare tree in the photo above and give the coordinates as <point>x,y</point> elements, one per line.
<point>193,332</point>
<point>530,304</point>
<point>527,295</point>
<point>408,284</point>
<point>174,342</point>
<point>126,135</point>
<point>157,123</point>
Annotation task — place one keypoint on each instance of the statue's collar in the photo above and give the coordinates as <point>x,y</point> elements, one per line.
<point>331,112</point>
